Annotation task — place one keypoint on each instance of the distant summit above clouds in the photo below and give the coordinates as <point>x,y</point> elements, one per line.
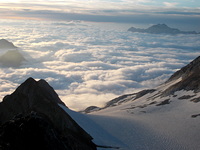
<point>161,29</point>
<point>5,44</point>
<point>10,55</point>
<point>12,58</point>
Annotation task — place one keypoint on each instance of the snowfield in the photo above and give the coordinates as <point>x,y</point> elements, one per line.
<point>147,123</point>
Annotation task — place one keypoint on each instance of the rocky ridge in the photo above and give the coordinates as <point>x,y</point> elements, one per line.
<point>185,79</point>
<point>32,107</point>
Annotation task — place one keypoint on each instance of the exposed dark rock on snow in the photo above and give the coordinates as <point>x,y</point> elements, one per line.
<point>186,97</point>
<point>12,58</point>
<point>160,29</point>
<point>167,101</point>
<point>196,100</point>
<point>119,100</point>
<point>39,97</point>
<point>91,109</point>
<point>196,115</point>
<point>4,44</point>
<point>128,97</point>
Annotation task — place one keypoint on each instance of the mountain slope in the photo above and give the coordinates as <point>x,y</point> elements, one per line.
<point>36,99</point>
<point>166,117</point>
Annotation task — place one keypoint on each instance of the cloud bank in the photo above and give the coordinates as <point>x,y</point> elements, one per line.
<point>89,64</point>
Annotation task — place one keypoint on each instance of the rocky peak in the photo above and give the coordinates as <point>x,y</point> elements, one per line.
<point>40,97</point>
<point>190,78</point>
<point>188,70</point>
<point>34,89</point>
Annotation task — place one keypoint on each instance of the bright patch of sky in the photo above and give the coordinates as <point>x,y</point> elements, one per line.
<point>119,3</point>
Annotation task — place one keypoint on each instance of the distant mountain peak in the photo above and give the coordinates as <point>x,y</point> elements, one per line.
<point>160,29</point>
<point>5,44</point>
<point>12,58</point>
<point>160,25</point>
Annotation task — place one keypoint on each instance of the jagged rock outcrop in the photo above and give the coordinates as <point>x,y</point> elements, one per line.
<point>160,29</point>
<point>5,44</point>
<point>119,100</point>
<point>12,58</point>
<point>30,132</point>
<point>91,109</point>
<point>190,78</point>
<point>39,97</point>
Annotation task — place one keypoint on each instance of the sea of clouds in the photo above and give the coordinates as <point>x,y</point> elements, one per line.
<point>90,64</point>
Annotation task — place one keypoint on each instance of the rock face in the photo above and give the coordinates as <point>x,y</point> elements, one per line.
<point>30,132</point>
<point>32,112</point>
<point>4,44</point>
<point>160,29</point>
<point>190,78</point>
<point>119,100</point>
<point>12,58</point>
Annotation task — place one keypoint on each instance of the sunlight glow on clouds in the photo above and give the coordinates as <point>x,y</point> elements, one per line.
<point>170,4</point>
<point>89,63</point>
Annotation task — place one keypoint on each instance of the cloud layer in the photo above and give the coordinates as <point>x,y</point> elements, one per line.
<point>88,63</point>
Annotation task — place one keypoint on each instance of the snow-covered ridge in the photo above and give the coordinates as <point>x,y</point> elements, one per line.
<point>164,118</point>
<point>186,79</point>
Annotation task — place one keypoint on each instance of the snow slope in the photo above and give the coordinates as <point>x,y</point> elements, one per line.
<point>151,122</point>
<point>100,135</point>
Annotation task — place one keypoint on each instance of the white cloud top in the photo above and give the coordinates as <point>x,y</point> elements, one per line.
<point>88,63</point>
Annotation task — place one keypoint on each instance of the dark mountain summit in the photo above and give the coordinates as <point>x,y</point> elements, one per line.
<point>32,116</point>
<point>161,29</point>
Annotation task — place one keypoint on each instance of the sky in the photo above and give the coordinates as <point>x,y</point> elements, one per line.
<point>123,11</point>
